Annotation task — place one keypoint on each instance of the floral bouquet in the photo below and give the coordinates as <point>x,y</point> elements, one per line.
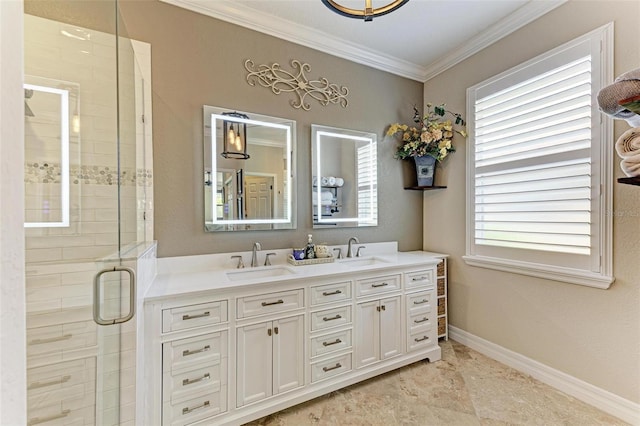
<point>431,136</point>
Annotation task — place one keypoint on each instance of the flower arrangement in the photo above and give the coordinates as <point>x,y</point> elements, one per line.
<point>431,135</point>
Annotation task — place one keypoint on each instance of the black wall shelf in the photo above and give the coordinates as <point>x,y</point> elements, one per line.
<point>630,180</point>
<point>424,188</point>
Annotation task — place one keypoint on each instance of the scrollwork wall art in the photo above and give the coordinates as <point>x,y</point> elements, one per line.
<point>296,81</point>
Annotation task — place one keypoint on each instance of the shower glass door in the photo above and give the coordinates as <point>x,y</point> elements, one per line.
<point>84,202</point>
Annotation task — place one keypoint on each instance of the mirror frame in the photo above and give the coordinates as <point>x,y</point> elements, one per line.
<point>212,114</point>
<point>319,131</point>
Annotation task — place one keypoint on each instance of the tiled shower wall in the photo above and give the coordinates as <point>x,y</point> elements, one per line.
<point>107,211</point>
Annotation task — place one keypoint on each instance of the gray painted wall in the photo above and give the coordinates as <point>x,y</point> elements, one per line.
<point>199,60</point>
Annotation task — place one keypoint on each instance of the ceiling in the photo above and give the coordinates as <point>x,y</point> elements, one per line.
<point>418,41</point>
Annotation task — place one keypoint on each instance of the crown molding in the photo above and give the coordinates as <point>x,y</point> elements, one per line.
<point>518,19</point>
<point>294,32</point>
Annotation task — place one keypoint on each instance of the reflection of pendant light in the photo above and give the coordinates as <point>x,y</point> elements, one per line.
<point>368,13</point>
<point>234,137</point>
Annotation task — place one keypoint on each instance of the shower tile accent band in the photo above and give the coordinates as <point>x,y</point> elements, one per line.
<point>97,175</point>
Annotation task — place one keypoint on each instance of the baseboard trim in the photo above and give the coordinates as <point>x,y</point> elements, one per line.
<point>606,401</point>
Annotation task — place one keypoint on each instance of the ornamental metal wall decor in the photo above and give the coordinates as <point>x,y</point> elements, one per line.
<point>297,82</point>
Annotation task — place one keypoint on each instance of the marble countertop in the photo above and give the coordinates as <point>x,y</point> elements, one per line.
<point>192,274</point>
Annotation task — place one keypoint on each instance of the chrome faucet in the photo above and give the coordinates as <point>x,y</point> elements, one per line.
<point>349,248</point>
<point>254,255</point>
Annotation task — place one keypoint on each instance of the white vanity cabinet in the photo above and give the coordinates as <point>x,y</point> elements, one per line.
<point>421,317</point>
<point>269,358</point>
<point>231,353</point>
<point>194,358</point>
<point>378,330</point>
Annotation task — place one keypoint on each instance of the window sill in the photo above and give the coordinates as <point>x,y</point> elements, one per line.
<point>555,273</point>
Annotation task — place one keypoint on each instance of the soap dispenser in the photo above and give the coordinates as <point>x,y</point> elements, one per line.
<point>310,251</point>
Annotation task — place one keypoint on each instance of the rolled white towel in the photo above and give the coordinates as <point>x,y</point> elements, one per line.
<point>324,181</point>
<point>631,165</point>
<point>628,144</point>
<point>628,148</point>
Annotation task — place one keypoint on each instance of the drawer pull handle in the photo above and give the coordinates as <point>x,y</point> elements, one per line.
<point>332,318</point>
<point>421,339</point>
<point>325,369</point>
<point>335,342</point>
<point>51,339</point>
<point>190,317</point>
<point>331,293</point>
<point>419,279</point>
<point>37,385</point>
<point>188,410</point>
<point>420,302</point>
<point>278,302</point>
<point>380,285</point>
<point>38,420</point>
<point>196,351</point>
<point>421,320</point>
<point>186,382</point>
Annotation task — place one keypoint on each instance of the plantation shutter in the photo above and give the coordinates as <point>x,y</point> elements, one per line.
<point>537,163</point>
<point>533,163</point>
<point>367,168</point>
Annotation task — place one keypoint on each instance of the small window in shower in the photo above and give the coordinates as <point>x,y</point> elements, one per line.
<point>48,123</point>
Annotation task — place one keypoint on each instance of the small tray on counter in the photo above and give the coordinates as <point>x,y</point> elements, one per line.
<point>314,261</point>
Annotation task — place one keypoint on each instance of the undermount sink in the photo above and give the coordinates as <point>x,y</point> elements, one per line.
<point>356,262</point>
<point>251,274</point>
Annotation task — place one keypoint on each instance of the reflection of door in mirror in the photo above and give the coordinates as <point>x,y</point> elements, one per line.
<point>259,196</point>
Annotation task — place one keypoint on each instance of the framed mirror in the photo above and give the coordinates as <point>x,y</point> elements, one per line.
<point>248,171</point>
<point>344,177</point>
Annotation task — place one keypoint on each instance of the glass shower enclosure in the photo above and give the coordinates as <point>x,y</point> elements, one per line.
<point>88,209</point>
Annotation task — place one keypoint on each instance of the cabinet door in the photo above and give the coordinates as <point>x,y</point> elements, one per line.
<point>288,354</point>
<point>390,327</point>
<point>254,363</point>
<point>367,333</point>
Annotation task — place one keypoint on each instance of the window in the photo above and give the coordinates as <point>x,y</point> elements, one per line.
<point>367,170</point>
<point>539,169</point>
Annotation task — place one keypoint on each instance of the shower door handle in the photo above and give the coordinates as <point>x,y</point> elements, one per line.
<point>97,314</point>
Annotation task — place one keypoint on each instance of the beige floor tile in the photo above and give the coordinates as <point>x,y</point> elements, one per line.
<point>465,388</point>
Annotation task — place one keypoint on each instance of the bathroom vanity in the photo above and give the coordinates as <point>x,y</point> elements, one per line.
<point>227,346</point>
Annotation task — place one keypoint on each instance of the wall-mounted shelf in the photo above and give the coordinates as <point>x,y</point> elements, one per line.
<point>424,188</point>
<point>630,180</point>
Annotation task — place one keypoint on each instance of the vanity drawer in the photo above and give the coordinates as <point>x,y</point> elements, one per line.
<point>420,340</point>
<point>420,321</point>
<point>331,367</point>
<point>331,293</point>
<point>328,343</point>
<point>419,302</point>
<point>377,285</point>
<point>185,317</point>
<point>195,409</point>
<point>419,278</point>
<point>194,351</point>
<point>70,411</point>
<point>331,318</point>
<point>61,337</point>
<point>270,302</point>
<point>193,383</point>
<point>53,384</point>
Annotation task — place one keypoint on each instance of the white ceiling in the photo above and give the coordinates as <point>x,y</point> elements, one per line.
<point>417,41</point>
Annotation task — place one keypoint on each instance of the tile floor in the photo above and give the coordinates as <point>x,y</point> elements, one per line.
<point>464,388</point>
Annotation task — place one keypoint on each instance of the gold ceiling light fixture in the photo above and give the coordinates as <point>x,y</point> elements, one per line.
<point>368,13</point>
